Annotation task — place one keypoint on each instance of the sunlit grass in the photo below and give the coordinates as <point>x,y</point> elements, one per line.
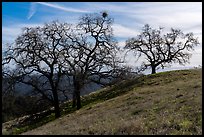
<point>163,103</point>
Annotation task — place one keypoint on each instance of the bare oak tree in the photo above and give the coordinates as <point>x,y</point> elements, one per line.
<point>161,49</point>
<point>37,58</point>
<point>86,52</point>
<point>92,55</point>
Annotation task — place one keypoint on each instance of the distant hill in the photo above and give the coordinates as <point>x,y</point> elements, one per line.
<point>23,89</point>
<point>159,104</point>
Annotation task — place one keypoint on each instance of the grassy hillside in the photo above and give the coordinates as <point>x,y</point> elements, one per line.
<point>162,103</point>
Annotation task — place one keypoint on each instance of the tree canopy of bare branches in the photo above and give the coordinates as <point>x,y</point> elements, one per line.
<point>92,55</point>
<point>161,49</point>
<point>38,60</point>
<point>85,52</point>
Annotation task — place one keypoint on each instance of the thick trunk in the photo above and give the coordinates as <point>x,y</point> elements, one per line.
<point>77,93</point>
<point>153,69</point>
<point>74,100</point>
<point>78,99</point>
<point>56,104</point>
<point>57,110</point>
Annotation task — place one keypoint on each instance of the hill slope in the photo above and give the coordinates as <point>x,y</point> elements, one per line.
<point>163,103</point>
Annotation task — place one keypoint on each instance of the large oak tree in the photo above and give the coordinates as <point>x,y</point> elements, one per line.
<point>36,55</point>
<point>92,56</point>
<point>85,52</point>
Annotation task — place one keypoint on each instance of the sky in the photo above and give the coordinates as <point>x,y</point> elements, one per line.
<point>129,18</point>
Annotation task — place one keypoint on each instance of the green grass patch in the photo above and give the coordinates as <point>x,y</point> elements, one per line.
<point>162,103</point>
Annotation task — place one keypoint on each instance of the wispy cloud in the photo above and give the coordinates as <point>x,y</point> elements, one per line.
<point>179,15</point>
<point>67,9</point>
<point>186,16</point>
<point>32,10</point>
<point>123,31</point>
<point>10,33</point>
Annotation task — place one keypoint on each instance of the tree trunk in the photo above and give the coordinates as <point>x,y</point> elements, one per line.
<point>77,93</point>
<point>74,99</point>
<point>57,110</point>
<point>56,104</point>
<point>153,69</point>
<point>78,99</point>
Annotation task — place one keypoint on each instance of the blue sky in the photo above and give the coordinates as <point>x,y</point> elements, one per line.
<point>129,18</point>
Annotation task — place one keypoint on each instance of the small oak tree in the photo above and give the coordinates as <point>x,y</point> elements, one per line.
<point>162,49</point>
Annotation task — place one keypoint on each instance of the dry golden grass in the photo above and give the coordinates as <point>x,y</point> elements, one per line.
<point>165,103</point>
